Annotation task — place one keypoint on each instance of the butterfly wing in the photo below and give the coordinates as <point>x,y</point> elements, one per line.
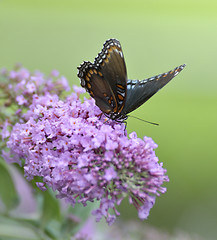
<point>106,78</point>
<point>138,92</point>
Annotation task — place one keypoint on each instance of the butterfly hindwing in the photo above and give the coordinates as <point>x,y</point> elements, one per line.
<point>95,85</point>
<point>138,92</point>
<point>106,78</point>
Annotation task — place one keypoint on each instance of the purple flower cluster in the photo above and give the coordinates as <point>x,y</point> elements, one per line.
<point>84,156</point>
<point>17,90</point>
<point>21,85</point>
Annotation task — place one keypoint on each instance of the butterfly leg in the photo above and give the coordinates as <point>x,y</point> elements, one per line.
<point>100,116</point>
<point>125,129</point>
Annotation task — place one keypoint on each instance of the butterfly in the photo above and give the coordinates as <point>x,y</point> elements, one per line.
<point>106,81</point>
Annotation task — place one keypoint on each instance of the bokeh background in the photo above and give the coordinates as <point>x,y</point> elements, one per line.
<point>156,36</point>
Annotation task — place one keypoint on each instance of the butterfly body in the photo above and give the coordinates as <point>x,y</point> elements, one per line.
<point>106,81</point>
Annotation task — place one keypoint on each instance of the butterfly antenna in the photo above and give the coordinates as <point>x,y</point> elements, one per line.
<point>144,120</point>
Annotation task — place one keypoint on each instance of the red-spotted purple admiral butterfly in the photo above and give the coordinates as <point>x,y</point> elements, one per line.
<point>106,81</point>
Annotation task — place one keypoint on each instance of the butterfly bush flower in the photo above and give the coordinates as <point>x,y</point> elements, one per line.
<point>19,87</point>
<point>79,153</point>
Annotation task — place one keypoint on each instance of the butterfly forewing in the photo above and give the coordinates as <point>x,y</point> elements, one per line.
<point>106,78</point>
<point>138,92</point>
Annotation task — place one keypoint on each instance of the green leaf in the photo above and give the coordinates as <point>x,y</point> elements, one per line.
<point>83,213</point>
<point>18,229</point>
<point>8,193</point>
<point>50,208</point>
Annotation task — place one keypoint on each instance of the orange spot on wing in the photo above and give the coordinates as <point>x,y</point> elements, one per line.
<point>120,86</point>
<point>110,49</point>
<point>106,60</point>
<point>120,97</point>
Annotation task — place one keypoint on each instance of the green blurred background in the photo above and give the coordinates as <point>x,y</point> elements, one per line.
<point>156,36</point>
